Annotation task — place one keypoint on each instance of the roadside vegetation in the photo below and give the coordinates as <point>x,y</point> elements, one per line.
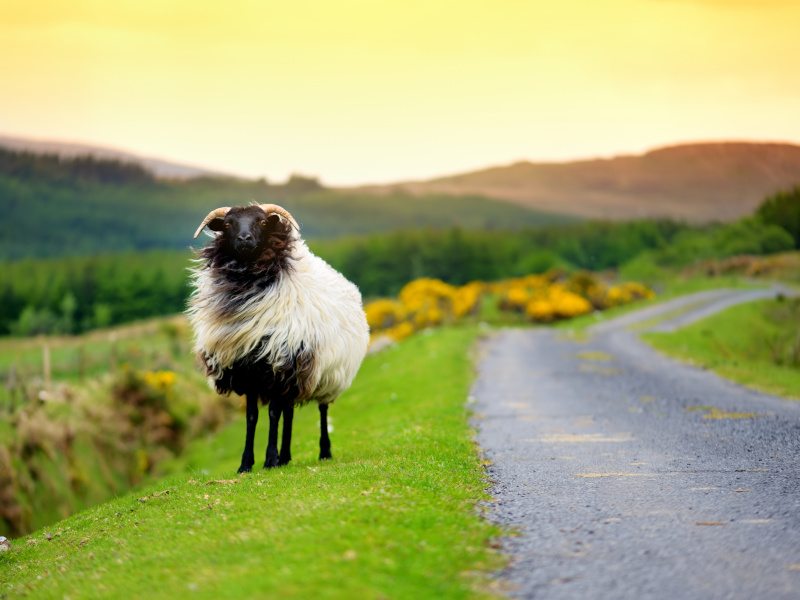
<point>83,419</point>
<point>755,344</point>
<point>542,298</point>
<point>393,515</point>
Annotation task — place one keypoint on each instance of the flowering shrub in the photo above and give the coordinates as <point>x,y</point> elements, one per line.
<point>540,298</point>
<point>627,292</point>
<point>540,310</point>
<point>567,304</point>
<point>142,399</point>
<point>400,332</point>
<point>162,381</point>
<point>466,300</point>
<point>383,314</point>
<point>422,303</point>
<point>429,302</point>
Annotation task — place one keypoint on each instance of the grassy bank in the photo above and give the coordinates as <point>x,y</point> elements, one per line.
<point>116,403</point>
<point>755,344</point>
<point>393,515</point>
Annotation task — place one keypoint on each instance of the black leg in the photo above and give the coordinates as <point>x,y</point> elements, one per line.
<point>272,443</point>
<point>252,420</point>
<point>286,440</point>
<point>324,440</point>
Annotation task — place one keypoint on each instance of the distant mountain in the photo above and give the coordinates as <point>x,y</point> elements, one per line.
<point>160,168</point>
<point>698,182</point>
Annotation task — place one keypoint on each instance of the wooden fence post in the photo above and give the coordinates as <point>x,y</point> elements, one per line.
<point>46,367</point>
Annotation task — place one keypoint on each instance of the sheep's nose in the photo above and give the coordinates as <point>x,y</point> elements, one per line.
<point>245,237</point>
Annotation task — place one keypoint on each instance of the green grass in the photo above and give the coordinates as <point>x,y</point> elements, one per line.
<point>749,344</point>
<point>393,515</point>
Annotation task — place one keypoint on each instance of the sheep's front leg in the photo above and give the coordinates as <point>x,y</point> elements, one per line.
<point>324,440</point>
<point>286,439</point>
<point>248,458</point>
<point>272,459</point>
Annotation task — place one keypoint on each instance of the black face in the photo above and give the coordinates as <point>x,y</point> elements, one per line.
<point>245,231</point>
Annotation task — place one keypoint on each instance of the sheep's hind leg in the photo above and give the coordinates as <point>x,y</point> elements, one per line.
<point>286,440</point>
<point>252,420</point>
<point>272,459</point>
<point>324,440</point>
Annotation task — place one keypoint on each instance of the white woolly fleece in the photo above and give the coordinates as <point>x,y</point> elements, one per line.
<point>310,307</point>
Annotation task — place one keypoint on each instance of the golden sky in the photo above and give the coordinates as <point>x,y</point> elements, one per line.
<point>366,90</point>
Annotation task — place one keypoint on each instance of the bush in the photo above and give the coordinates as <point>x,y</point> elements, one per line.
<point>540,298</point>
<point>783,210</point>
<point>747,236</point>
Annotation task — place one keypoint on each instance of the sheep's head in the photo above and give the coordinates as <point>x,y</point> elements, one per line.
<point>245,230</point>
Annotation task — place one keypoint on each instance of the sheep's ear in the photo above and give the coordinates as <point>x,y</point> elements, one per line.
<point>216,224</point>
<point>273,219</point>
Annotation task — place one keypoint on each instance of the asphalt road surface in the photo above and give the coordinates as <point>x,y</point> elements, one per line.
<point>628,475</point>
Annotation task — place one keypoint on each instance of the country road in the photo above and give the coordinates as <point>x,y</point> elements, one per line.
<point>628,475</point>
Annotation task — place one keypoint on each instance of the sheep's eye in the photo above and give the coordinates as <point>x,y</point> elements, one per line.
<point>227,225</point>
<point>263,222</point>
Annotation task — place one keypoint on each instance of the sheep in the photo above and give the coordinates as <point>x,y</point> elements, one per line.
<point>273,322</point>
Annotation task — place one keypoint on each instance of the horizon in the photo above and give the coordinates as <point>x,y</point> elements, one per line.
<point>321,178</point>
<point>361,94</point>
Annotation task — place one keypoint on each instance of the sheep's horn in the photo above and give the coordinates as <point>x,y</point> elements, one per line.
<point>274,208</point>
<point>217,213</point>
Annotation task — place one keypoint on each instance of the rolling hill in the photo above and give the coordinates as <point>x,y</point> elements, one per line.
<point>699,182</point>
<point>110,200</point>
<point>85,205</point>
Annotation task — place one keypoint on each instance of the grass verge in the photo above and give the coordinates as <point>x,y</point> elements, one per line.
<point>393,515</point>
<point>754,344</point>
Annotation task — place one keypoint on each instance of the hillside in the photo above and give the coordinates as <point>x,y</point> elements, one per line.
<point>84,205</point>
<point>157,166</point>
<point>698,182</point>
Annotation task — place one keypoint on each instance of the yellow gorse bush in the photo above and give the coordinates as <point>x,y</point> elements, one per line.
<point>383,314</point>
<point>429,302</point>
<point>467,299</point>
<point>567,304</point>
<point>159,380</point>
<point>541,298</point>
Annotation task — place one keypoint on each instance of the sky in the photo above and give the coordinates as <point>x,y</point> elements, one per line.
<point>367,91</point>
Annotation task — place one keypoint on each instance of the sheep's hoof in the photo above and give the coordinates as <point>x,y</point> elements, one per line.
<point>284,460</point>
<point>325,455</point>
<point>272,461</point>
<point>245,469</point>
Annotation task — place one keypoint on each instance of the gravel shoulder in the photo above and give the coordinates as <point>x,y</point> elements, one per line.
<point>627,475</point>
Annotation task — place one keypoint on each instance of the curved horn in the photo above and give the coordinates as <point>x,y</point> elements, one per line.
<point>217,213</point>
<point>274,208</point>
